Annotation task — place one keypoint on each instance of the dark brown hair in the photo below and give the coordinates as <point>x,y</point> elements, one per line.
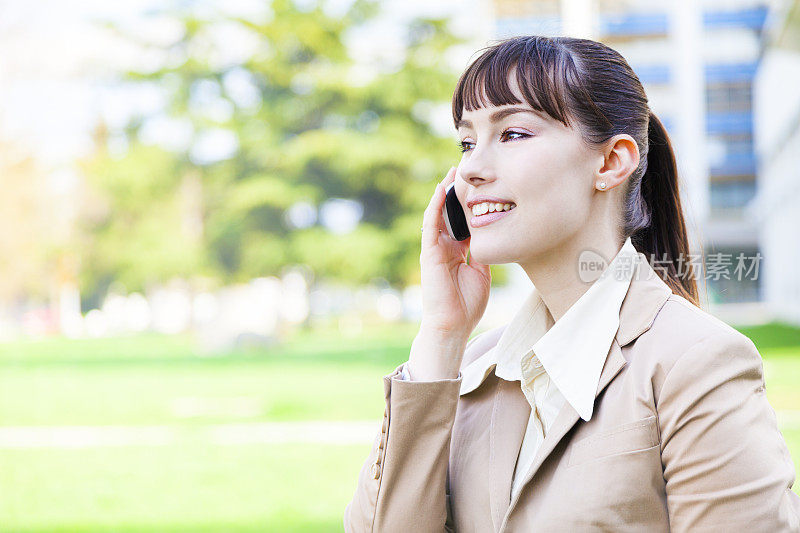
<point>591,84</point>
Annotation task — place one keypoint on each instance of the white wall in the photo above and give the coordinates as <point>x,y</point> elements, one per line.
<point>777,137</point>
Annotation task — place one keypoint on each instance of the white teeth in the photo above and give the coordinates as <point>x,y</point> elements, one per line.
<point>486,207</point>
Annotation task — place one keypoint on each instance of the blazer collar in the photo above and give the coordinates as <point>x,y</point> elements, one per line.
<point>647,293</point>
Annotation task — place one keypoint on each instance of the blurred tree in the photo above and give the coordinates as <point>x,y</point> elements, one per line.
<point>137,218</point>
<point>277,133</point>
<point>27,246</point>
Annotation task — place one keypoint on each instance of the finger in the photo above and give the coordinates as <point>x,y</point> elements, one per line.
<point>450,177</point>
<point>446,183</point>
<point>430,223</point>
<point>432,218</point>
<point>442,184</point>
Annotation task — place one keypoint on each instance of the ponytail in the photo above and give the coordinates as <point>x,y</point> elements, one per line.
<point>662,235</point>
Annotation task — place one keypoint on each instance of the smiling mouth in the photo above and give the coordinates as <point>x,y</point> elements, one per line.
<point>488,207</point>
<point>487,218</point>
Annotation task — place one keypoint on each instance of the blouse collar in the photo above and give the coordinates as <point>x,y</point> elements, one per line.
<point>571,350</point>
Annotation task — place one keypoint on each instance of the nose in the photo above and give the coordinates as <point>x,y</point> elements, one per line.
<point>476,168</point>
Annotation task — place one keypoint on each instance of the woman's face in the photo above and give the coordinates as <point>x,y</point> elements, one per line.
<point>516,154</point>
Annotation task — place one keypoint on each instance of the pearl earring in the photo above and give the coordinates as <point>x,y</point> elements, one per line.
<point>602,185</point>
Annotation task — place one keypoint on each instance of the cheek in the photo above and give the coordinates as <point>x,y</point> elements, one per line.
<point>556,197</point>
<point>565,175</point>
<point>551,180</point>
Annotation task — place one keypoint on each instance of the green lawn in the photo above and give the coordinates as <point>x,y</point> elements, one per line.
<point>145,380</point>
<point>164,393</point>
<point>184,487</point>
<point>192,485</point>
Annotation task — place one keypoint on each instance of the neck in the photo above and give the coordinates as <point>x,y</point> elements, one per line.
<point>559,273</point>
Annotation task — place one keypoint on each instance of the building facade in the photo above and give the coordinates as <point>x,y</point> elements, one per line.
<point>777,204</point>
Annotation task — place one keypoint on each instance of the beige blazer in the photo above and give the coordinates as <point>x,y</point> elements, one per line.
<point>682,439</point>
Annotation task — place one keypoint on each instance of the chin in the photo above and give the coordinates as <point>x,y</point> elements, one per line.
<point>490,251</point>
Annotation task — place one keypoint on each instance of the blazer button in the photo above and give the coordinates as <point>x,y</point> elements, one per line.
<point>385,425</point>
<point>376,470</point>
<point>380,444</point>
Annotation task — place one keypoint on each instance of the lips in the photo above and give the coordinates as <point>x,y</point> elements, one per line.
<point>488,218</point>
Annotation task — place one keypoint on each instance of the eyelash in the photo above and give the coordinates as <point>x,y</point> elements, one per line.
<point>463,148</point>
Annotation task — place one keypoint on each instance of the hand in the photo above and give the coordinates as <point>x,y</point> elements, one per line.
<point>454,293</point>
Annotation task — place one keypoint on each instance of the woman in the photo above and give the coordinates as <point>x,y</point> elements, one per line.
<point>611,401</point>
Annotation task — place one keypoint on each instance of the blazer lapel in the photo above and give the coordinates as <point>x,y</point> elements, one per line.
<point>509,419</point>
<point>646,295</point>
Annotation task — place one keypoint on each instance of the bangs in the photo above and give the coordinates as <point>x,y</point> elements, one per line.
<point>540,66</point>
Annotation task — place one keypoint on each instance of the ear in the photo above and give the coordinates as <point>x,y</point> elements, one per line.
<point>620,159</point>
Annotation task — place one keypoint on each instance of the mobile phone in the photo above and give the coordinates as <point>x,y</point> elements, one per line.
<point>453,214</point>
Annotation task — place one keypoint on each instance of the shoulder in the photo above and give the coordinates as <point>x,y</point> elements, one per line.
<point>684,333</point>
<point>678,315</point>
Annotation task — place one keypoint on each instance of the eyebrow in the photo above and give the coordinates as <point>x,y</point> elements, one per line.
<point>499,115</point>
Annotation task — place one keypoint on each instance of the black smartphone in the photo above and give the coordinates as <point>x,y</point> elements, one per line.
<point>453,214</point>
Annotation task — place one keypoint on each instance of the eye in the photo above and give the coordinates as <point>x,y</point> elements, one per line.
<point>467,145</point>
<point>507,132</point>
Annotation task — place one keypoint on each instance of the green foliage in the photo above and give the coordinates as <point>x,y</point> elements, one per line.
<point>315,129</point>
<point>139,228</point>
